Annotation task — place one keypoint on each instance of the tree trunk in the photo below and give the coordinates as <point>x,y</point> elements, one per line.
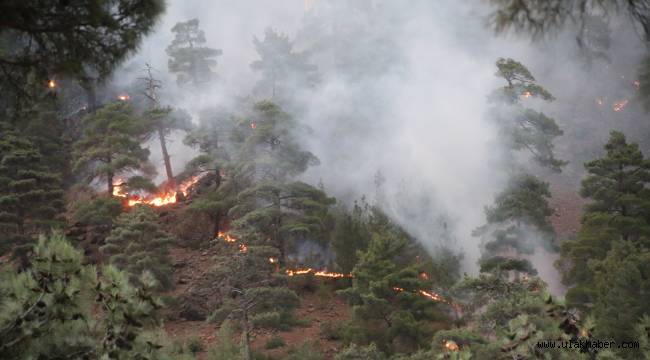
<point>88,84</point>
<point>109,180</point>
<point>168,164</point>
<point>245,338</point>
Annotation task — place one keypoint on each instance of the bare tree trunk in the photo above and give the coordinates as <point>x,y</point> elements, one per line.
<point>109,180</point>
<point>168,163</point>
<point>246,349</point>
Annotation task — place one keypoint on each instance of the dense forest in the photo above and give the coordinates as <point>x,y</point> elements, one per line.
<point>324,179</point>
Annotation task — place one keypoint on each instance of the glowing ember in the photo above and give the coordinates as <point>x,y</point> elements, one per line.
<point>273,260</point>
<point>319,273</point>
<point>51,84</point>
<point>124,97</point>
<point>253,126</point>
<point>619,105</point>
<point>451,345</point>
<point>527,94</point>
<point>243,248</point>
<point>424,276</point>
<point>226,237</point>
<point>431,295</point>
<point>165,198</point>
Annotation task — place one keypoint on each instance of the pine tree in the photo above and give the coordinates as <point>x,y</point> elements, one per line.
<point>622,282</point>
<point>387,303</point>
<point>524,128</point>
<point>137,244</point>
<point>189,58</point>
<point>350,235</point>
<point>111,144</point>
<point>518,218</point>
<point>254,298</point>
<point>45,312</point>
<point>31,197</point>
<point>274,213</point>
<point>618,211</point>
<point>281,67</point>
<point>538,17</point>
<point>48,311</point>
<point>82,39</point>
<point>161,121</point>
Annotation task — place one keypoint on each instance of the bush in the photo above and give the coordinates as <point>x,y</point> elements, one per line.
<point>331,331</point>
<point>274,342</point>
<point>195,345</point>
<point>355,352</point>
<point>225,348</point>
<point>306,351</point>
<point>268,320</point>
<point>324,295</point>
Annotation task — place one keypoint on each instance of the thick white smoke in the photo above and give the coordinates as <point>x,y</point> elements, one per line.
<point>403,95</point>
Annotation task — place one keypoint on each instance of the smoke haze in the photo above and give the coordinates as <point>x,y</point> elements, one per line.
<point>399,114</point>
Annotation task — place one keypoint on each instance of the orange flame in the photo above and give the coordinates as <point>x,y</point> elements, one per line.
<point>226,237</point>
<point>243,248</point>
<point>319,273</point>
<point>619,105</point>
<point>124,97</point>
<point>51,84</point>
<point>527,94</point>
<point>162,199</point>
<point>273,260</point>
<point>253,126</point>
<point>451,345</point>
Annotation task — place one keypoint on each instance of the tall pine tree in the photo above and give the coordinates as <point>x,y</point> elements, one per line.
<point>619,210</point>
<point>137,244</point>
<point>189,58</point>
<point>111,144</point>
<point>31,197</point>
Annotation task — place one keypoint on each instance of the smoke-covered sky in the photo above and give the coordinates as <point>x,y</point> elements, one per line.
<point>403,94</point>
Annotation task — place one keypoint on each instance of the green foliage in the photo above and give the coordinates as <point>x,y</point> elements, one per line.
<point>81,39</point>
<point>538,17</point>
<point>622,286</point>
<point>350,235</point>
<point>306,351</point>
<point>292,211</point>
<point>523,128</point>
<point>137,244</point>
<point>281,67</point>
<point>387,306</point>
<point>189,58</point>
<point>111,144</point>
<point>619,210</point>
<point>225,348</point>
<point>46,312</point>
<point>274,342</point>
<point>101,211</point>
<point>127,311</point>
<point>31,196</point>
<point>355,352</point>
<point>517,222</point>
<point>195,345</point>
<point>331,330</point>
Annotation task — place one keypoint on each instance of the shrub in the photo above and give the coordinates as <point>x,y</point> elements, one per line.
<point>274,342</point>
<point>306,351</point>
<point>330,330</point>
<point>195,345</point>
